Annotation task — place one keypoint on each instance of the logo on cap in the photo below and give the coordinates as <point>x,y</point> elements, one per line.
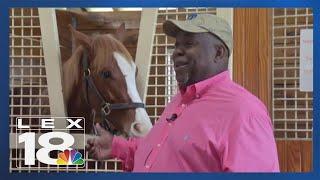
<point>192,16</point>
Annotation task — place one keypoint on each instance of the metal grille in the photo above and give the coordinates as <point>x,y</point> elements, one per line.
<point>28,83</point>
<point>292,109</point>
<point>162,84</point>
<point>29,90</point>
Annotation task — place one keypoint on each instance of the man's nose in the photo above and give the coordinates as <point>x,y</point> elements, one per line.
<point>177,52</point>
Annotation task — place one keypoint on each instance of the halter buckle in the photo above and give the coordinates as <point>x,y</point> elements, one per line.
<point>86,72</point>
<point>104,107</point>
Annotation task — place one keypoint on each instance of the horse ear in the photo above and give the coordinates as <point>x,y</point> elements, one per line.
<point>71,72</point>
<point>80,38</point>
<point>121,32</point>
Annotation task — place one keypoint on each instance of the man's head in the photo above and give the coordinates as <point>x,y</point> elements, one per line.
<point>203,45</point>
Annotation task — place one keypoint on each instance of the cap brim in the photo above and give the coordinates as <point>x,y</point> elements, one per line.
<point>172,27</point>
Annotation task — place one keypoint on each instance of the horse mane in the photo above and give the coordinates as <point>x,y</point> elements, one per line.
<point>102,48</point>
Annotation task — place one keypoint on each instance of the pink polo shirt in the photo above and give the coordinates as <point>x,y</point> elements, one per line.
<point>220,127</point>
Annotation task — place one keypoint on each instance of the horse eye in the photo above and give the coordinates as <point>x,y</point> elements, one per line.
<point>106,74</point>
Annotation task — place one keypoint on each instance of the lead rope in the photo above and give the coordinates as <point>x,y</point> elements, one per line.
<point>93,115</point>
<point>108,125</point>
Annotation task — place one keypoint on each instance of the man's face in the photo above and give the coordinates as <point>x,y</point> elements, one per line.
<point>193,57</point>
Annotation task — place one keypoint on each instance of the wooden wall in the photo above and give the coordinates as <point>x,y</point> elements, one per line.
<point>295,156</point>
<point>252,61</point>
<point>252,52</point>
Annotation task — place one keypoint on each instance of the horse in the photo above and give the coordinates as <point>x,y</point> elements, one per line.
<point>99,84</point>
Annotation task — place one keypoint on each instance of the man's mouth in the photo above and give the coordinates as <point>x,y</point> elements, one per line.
<point>180,66</point>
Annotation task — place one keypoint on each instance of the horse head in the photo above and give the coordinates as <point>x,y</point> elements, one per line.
<point>99,84</point>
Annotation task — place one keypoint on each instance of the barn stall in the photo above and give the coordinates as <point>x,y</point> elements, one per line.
<point>40,42</point>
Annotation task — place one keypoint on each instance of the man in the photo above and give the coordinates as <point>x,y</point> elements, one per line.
<point>211,125</point>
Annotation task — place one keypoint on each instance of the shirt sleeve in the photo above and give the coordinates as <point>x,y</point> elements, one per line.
<point>251,146</point>
<point>125,150</point>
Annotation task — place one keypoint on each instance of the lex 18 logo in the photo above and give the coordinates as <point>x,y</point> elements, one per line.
<point>39,144</point>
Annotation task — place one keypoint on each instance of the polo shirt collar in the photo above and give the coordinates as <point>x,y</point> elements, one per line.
<point>198,89</point>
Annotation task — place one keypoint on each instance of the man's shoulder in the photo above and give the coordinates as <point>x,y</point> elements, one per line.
<point>235,98</point>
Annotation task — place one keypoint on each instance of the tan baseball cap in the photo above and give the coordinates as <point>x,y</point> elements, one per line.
<point>201,23</point>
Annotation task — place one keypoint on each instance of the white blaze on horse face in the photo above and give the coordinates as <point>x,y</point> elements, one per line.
<point>142,120</point>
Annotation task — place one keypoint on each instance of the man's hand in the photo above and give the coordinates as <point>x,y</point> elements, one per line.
<point>100,147</point>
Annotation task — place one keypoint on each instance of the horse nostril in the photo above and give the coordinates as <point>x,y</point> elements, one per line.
<point>138,127</point>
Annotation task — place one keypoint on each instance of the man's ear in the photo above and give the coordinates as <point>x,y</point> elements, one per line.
<point>221,52</point>
<point>80,38</point>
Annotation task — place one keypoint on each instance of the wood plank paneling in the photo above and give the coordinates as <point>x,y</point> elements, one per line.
<point>265,56</point>
<point>306,156</point>
<point>282,155</point>
<point>239,53</point>
<point>252,51</point>
<point>295,156</point>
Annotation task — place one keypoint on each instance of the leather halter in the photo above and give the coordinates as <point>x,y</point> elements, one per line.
<point>106,107</point>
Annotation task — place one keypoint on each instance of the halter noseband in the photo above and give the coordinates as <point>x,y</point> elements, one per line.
<point>106,107</point>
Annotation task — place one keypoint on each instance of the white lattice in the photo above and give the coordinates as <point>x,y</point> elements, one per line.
<point>292,109</point>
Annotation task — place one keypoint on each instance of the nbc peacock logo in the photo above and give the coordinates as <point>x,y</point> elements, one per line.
<point>70,157</point>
